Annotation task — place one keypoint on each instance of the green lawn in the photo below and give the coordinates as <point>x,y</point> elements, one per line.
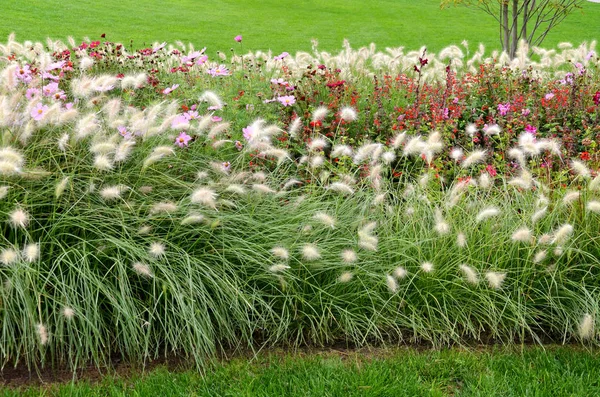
<point>275,24</point>
<point>557,371</point>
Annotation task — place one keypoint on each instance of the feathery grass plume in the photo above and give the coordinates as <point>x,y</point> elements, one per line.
<point>217,130</point>
<point>204,196</point>
<point>280,154</point>
<point>68,312</point>
<point>474,158</point>
<point>388,157</point>
<point>545,239</point>
<point>391,283</point>
<point>457,154</point>
<point>18,218</point>
<point>470,274</point>
<point>433,146</point>
<point>61,187</point>
<point>400,272</point>
<point>366,239</point>
<point>594,206</point>
<point>319,114</point>
<point>540,256</point>
<point>145,189</point>
<point>156,249</point>
<point>280,252</point>
<point>348,114</point>
<point>518,155</point>
<point>562,234</point>
<point>63,142</point>
<point>539,214</point>
<point>487,213</point>
<point>110,193</point>
<point>42,333</point>
<point>495,279</point>
<point>8,256</point>
<point>528,144</point>
<point>580,169</point>
<point>558,251</point>
<point>379,199</point>
<point>316,144</point>
<point>524,181</point>
<point>349,256</point>
<point>11,161</point>
<point>291,182</point>
<point>123,151</point>
<point>142,269</point>
<point>586,327</point>
<point>441,226</point>
<point>414,146</point>
<point>86,126</point>
<point>4,191</point>
<point>471,129</point>
<point>262,188</point>
<point>31,252</point>
<point>325,219</point>
<point>278,268</point>
<point>163,207</point>
<point>103,148</point>
<point>595,183</point>
<point>570,197</point>
<point>550,145</point>
<point>103,163</point>
<point>523,235</point>
<point>345,277</point>
<point>461,240</point>
<point>427,267</point>
<point>235,188</point>
<point>340,187</point>
<point>493,129</point>
<point>484,181</point>
<point>192,219</point>
<point>158,153</point>
<point>398,140</point>
<point>341,150</point>
<point>306,229</point>
<point>295,127</point>
<point>212,98</point>
<point>317,161</point>
<point>310,252</point>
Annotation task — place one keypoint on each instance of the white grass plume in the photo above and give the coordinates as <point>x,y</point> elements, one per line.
<point>325,219</point>
<point>204,196</point>
<point>470,274</point>
<point>391,283</point>
<point>495,279</point>
<point>487,213</point>
<point>349,256</point>
<point>523,235</point>
<point>310,252</point>
<point>474,158</point>
<point>586,327</point>
<point>280,252</point>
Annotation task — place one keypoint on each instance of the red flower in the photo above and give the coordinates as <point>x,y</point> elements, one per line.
<point>585,156</point>
<point>597,98</point>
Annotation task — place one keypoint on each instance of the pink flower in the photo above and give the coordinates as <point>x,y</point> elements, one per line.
<point>50,89</point>
<point>55,65</point>
<point>202,60</point>
<point>287,100</point>
<point>31,93</point>
<point>281,56</point>
<point>169,90</point>
<point>248,133</point>
<point>525,112</point>
<point>180,119</point>
<point>531,129</point>
<point>183,139</point>
<point>214,107</point>
<point>216,119</point>
<point>123,132</point>
<point>504,108</point>
<point>159,47</point>
<point>24,74</point>
<point>60,95</point>
<point>549,96</point>
<point>491,170</point>
<point>238,38</point>
<point>191,115</point>
<point>220,70</point>
<point>192,56</point>
<point>39,111</point>
<point>238,145</point>
<point>226,166</point>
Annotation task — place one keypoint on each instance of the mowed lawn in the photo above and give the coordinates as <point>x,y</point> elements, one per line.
<point>272,24</point>
<point>533,371</point>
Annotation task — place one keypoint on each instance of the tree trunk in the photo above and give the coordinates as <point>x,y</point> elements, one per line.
<point>505,29</point>
<point>514,28</point>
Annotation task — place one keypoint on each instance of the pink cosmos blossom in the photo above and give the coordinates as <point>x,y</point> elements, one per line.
<point>159,47</point>
<point>281,56</point>
<point>59,95</point>
<point>191,115</point>
<point>192,56</point>
<point>216,119</point>
<point>504,108</point>
<point>24,74</point>
<point>50,76</point>
<point>238,145</point>
<point>287,100</point>
<point>202,60</point>
<point>238,38</point>
<point>180,119</point>
<point>590,55</point>
<point>226,166</point>
<point>123,132</point>
<point>50,89</point>
<point>31,93</point>
<point>39,111</point>
<point>169,90</point>
<point>525,112</point>
<point>214,107</point>
<point>248,133</point>
<point>549,96</point>
<point>183,139</point>
<point>69,105</point>
<point>220,70</point>
<point>55,65</point>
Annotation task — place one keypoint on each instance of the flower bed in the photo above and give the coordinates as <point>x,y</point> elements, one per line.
<point>163,201</point>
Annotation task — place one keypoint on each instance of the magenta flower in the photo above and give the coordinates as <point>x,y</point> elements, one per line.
<point>60,95</point>
<point>159,47</point>
<point>39,111</point>
<point>287,100</point>
<point>169,90</point>
<point>531,129</point>
<point>220,70</point>
<point>183,139</point>
<point>491,170</point>
<point>504,108</point>
<point>238,38</point>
